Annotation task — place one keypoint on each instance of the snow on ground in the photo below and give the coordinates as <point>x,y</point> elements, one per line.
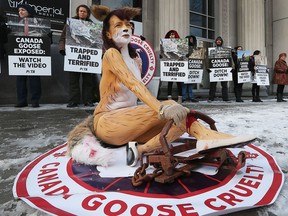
<point>28,133</point>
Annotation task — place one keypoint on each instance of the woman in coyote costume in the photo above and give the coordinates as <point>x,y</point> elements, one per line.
<point>117,119</point>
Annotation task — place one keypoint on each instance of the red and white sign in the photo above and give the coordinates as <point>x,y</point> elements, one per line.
<point>55,184</point>
<point>147,54</point>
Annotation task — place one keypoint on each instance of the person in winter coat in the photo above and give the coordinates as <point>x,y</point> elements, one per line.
<point>3,35</point>
<point>26,11</point>
<point>188,87</point>
<point>280,76</point>
<point>237,86</point>
<point>82,13</point>
<point>212,91</point>
<point>174,34</point>
<point>255,87</point>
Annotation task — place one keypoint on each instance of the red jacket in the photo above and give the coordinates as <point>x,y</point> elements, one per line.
<point>280,73</point>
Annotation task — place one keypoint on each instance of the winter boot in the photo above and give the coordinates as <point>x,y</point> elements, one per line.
<point>179,99</point>
<point>258,95</point>
<point>257,99</point>
<point>253,96</point>
<point>238,95</point>
<point>279,98</point>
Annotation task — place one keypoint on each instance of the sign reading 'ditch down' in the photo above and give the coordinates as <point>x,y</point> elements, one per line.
<point>195,72</point>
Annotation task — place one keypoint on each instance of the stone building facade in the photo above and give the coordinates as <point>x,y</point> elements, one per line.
<point>253,24</point>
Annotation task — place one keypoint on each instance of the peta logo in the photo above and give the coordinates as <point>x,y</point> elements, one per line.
<point>40,10</point>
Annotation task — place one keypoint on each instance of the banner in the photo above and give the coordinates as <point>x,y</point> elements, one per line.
<point>29,55</point>
<point>148,57</point>
<point>55,11</point>
<point>195,65</point>
<point>220,64</point>
<point>261,76</point>
<point>243,73</point>
<point>174,71</point>
<point>56,185</point>
<point>83,46</point>
<point>173,59</point>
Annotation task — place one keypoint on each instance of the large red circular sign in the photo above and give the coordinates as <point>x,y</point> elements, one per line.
<point>148,57</point>
<point>55,184</point>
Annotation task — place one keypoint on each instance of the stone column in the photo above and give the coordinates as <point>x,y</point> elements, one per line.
<point>279,31</point>
<point>171,14</point>
<point>251,25</point>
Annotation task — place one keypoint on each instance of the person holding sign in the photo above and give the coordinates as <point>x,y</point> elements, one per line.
<point>3,36</point>
<point>192,43</point>
<point>118,119</point>
<point>26,11</point>
<point>212,91</point>
<point>237,86</point>
<point>174,34</point>
<point>83,13</point>
<point>280,76</point>
<point>252,68</point>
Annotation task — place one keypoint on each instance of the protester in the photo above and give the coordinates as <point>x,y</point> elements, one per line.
<point>26,11</point>
<point>187,93</point>
<point>255,87</point>
<point>280,76</point>
<point>3,35</point>
<point>212,91</point>
<point>237,86</point>
<point>192,43</point>
<point>118,119</point>
<point>83,13</point>
<point>174,34</point>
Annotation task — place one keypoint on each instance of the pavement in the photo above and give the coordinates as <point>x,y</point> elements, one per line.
<point>28,132</point>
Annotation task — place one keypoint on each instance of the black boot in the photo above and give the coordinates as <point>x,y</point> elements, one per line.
<point>279,99</point>
<point>257,94</point>
<point>257,99</point>
<point>253,95</point>
<point>238,94</point>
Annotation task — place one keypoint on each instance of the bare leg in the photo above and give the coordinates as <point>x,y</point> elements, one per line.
<point>154,143</point>
<point>208,139</point>
<point>120,126</point>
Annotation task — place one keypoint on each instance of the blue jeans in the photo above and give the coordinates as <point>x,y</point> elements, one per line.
<point>188,87</point>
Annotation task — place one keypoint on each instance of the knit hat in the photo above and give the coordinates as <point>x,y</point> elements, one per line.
<point>27,7</point>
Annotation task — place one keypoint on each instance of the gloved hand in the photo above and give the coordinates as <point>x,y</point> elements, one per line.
<point>62,52</point>
<point>177,112</point>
